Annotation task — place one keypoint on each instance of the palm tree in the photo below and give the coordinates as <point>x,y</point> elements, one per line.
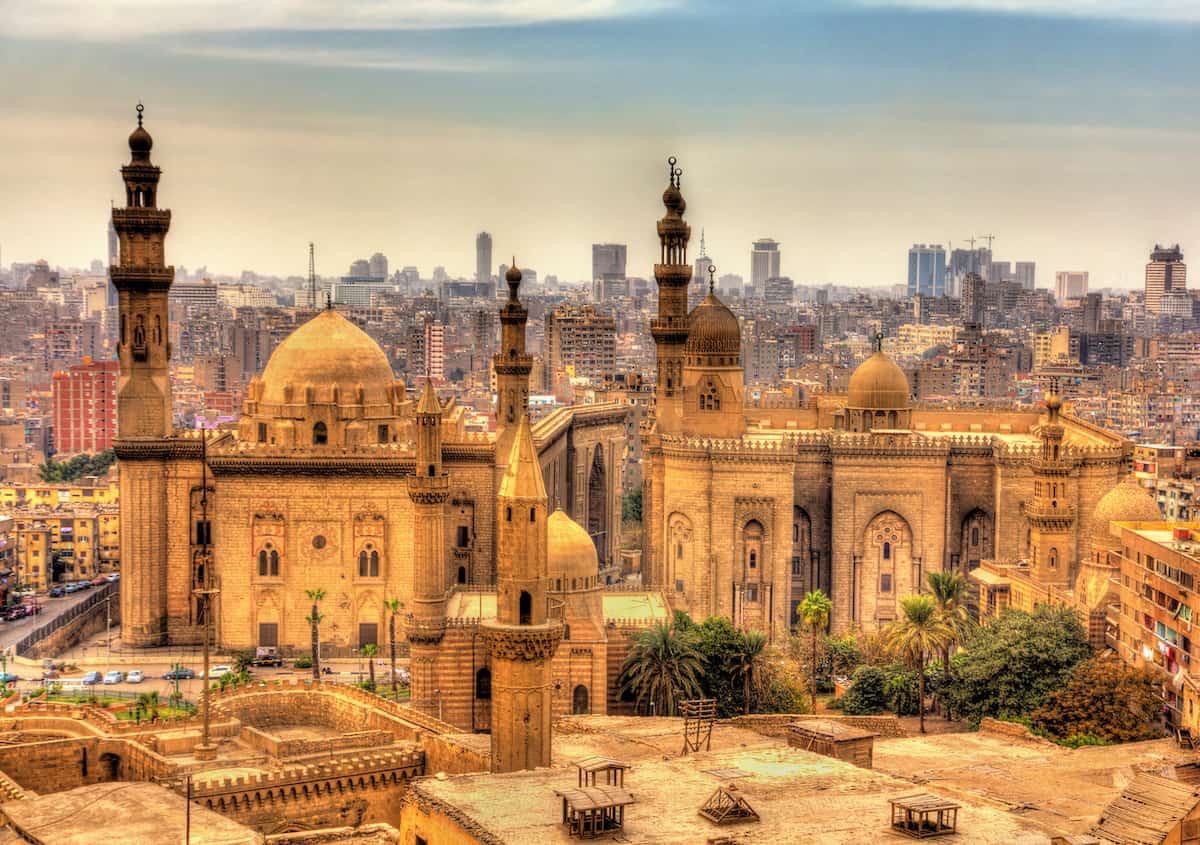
<point>369,651</point>
<point>314,619</point>
<point>950,591</point>
<point>914,637</point>
<point>147,702</point>
<point>663,666</point>
<point>749,659</point>
<point>393,606</point>
<point>815,610</point>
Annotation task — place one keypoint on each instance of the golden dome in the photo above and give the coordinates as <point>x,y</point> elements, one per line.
<point>326,352</point>
<point>570,552</point>
<point>713,329</point>
<point>878,385</point>
<point>1129,501</point>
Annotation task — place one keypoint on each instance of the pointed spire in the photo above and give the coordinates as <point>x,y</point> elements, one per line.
<point>429,403</point>
<point>523,476</point>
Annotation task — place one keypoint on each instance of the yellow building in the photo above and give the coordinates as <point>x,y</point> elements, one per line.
<point>859,495</point>
<point>99,491</point>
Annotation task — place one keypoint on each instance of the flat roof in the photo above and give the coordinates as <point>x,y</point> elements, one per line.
<point>827,728</point>
<point>645,606</point>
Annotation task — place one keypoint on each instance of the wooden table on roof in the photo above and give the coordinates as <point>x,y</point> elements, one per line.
<point>924,815</point>
<point>592,811</point>
<point>591,767</point>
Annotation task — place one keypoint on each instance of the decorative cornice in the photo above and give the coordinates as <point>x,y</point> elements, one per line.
<point>157,449</point>
<point>521,642</point>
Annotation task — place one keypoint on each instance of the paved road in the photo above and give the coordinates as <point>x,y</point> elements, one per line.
<point>10,632</point>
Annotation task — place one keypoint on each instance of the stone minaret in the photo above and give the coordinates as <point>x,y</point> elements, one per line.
<point>522,639</point>
<point>144,421</point>
<point>512,365</point>
<point>428,488</point>
<point>1051,514</point>
<point>670,328</point>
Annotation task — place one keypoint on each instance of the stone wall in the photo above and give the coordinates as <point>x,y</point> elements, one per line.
<point>85,625</point>
<point>58,765</point>
<point>775,724</point>
<point>454,755</point>
<point>1015,730</point>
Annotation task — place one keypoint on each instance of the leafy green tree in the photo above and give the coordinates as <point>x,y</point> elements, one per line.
<point>148,703</point>
<point>950,591</point>
<point>844,655</point>
<point>631,506</point>
<point>748,662</point>
<point>314,619</point>
<point>867,694</point>
<point>918,633</point>
<point>242,661</point>
<point>815,610</point>
<point>902,689</point>
<point>369,651</point>
<point>720,644</point>
<point>1106,700</point>
<point>663,666</point>
<point>393,607</point>
<point>77,466</point>
<point>1008,668</point>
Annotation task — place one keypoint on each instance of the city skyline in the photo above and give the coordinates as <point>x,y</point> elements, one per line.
<point>410,135</point>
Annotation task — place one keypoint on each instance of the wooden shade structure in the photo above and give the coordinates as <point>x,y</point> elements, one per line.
<point>593,811</point>
<point>592,768</point>
<point>924,815</point>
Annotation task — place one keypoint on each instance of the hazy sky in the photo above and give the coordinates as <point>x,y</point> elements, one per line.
<point>846,129</point>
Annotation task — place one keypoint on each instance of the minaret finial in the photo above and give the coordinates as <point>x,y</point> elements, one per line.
<point>712,276</point>
<point>328,300</point>
<point>140,109</point>
<point>878,341</point>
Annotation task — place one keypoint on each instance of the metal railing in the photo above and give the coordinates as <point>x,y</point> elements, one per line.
<point>98,595</point>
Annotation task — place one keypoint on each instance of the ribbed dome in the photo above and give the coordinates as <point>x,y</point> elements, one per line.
<point>878,385</point>
<point>570,552</point>
<point>713,329</point>
<point>328,350</point>
<point>1127,502</point>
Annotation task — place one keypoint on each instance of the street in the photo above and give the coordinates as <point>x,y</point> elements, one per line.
<point>10,632</point>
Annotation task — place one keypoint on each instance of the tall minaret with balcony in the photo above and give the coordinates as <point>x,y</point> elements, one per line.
<point>428,488</point>
<point>670,328</point>
<point>522,639</point>
<point>512,365</point>
<point>1051,513</point>
<point>144,417</point>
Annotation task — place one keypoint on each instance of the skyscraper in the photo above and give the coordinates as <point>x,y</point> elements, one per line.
<point>483,258</point>
<point>1070,284</point>
<point>1165,274</point>
<point>377,264</point>
<point>927,270</point>
<point>582,339</point>
<point>963,261</point>
<point>699,286</point>
<point>972,298</point>
<point>114,255</point>
<point>608,261</point>
<point>764,263</point>
<point>1025,274</point>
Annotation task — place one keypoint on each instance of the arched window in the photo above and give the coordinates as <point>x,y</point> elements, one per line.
<point>579,701</point>
<point>533,514</point>
<point>710,398</point>
<point>752,543</point>
<point>753,559</point>
<point>320,434</point>
<point>887,551</point>
<point>262,563</point>
<point>508,514</point>
<point>274,563</point>
<point>362,564</point>
<point>1054,558</point>
<point>374,564</point>
<point>462,575</point>
<point>566,632</point>
<point>432,471</point>
<point>974,535</point>
<point>525,608</point>
<point>483,684</point>
<point>679,551</point>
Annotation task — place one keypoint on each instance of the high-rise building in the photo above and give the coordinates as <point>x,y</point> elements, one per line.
<point>483,258</point>
<point>1165,274</point>
<point>377,265</point>
<point>360,268</point>
<point>114,255</point>
<point>998,271</point>
<point>608,261</point>
<point>963,261</point>
<point>427,350</point>
<point>779,290</point>
<point>764,263</point>
<point>1025,274</point>
<point>1091,309</point>
<point>582,340</point>
<point>85,407</point>
<point>973,292</point>
<point>1070,284</point>
<point>927,270</point>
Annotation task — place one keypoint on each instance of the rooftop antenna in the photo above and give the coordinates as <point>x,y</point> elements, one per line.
<point>312,278</point>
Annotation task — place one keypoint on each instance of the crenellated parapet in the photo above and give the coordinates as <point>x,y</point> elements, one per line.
<point>358,771</point>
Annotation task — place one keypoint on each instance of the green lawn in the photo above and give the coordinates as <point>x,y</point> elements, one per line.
<point>163,713</point>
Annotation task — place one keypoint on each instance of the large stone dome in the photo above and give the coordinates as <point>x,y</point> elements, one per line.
<point>713,330</point>
<point>570,553</point>
<point>878,385</point>
<point>327,352</point>
<point>1127,502</point>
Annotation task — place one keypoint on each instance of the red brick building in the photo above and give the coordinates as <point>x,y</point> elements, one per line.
<point>85,407</point>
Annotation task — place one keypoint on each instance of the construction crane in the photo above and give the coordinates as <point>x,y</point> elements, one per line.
<point>971,241</point>
<point>989,239</point>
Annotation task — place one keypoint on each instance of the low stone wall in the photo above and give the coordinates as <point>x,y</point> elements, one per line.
<point>278,747</point>
<point>1014,730</point>
<point>371,834</point>
<point>446,753</point>
<point>82,627</point>
<point>775,724</point>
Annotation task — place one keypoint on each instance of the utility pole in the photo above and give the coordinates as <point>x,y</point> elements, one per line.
<point>203,560</point>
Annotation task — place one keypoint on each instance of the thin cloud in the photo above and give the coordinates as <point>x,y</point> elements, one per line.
<point>1180,11</point>
<point>119,20</point>
<point>350,59</point>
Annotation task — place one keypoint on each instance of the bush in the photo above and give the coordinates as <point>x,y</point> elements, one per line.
<point>902,690</point>
<point>868,692</point>
<point>304,661</point>
<point>1104,700</point>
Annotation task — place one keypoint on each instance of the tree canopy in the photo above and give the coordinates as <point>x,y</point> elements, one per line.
<point>1104,699</point>
<point>1010,667</point>
<point>78,466</point>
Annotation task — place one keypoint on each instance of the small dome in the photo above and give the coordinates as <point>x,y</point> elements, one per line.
<point>1127,502</point>
<point>513,274</point>
<point>878,385</point>
<point>140,143</point>
<point>570,552</point>
<point>713,329</point>
<point>327,352</point>
<point>673,199</point>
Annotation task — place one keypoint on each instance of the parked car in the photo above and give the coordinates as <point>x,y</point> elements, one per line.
<point>84,584</point>
<point>32,609</point>
<point>58,592</point>
<point>20,611</point>
<point>219,670</point>
<point>90,678</point>
<point>114,676</point>
<point>72,587</point>
<point>50,675</point>
<point>135,676</point>
<point>113,576</point>
<point>99,580</point>
<point>266,655</point>
<point>182,673</point>
<point>8,678</point>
